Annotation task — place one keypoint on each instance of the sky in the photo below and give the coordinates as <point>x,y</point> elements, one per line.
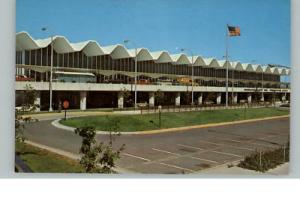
<point>198,25</point>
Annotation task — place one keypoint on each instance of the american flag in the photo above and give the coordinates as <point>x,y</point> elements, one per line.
<point>234,31</point>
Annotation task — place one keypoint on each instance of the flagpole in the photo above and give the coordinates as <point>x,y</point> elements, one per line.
<point>232,86</point>
<point>226,55</point>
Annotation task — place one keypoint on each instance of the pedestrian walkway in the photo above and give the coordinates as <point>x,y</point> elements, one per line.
<point>59,115</point>
<point>234,170</point>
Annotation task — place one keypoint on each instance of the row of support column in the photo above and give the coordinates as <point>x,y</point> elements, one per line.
<point>83,99</point>
<point>177,99</point>
<point>200,99</point>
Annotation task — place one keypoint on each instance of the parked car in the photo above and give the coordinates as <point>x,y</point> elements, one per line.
<point>23,78</point>
<point>142,82</point>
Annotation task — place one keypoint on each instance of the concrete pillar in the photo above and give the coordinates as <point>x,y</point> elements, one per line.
<point>200,98</point>
<point>249,97</point>
<point>219,94</point>
<point>177,99</point>
<point>262,97</point>
<point>37,101</point>
<point>23,62</point>
<point>235,98</point>
<point>83,100</point>
<point>283,97</point>
<point>120,100</point>
<point>46,74</point>
<point>59,100</point>
<point>151,99</point>
<point>23,57</point>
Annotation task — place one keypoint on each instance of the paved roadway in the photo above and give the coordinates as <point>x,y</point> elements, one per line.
<point>176,152</point>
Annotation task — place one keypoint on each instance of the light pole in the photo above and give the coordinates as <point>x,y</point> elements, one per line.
<point>227,78</point>
<point>191,52</point>
<point>135,72</point>
<point>51,71</point>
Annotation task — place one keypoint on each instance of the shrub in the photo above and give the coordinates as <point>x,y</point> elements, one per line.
<point>263,161</point>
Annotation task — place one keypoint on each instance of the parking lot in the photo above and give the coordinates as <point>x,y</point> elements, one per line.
<point>177,152</point>
<point>195,150</point>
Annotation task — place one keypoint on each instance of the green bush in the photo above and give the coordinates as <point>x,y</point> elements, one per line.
<point>263,161</point>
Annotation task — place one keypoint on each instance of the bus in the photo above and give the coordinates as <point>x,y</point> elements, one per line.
<point>74,77</point>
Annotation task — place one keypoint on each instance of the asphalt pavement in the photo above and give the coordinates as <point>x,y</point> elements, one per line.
<point>187,151</point>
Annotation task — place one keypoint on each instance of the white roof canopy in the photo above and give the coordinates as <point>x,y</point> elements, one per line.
<point>180,59</point>
<point>92,48</point>
<point>143,54</point>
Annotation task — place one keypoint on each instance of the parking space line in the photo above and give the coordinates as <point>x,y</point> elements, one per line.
<point>203,159</point>
<point>230,145</point>
<point>177,167</point>
<point>230,140</point>
<point>229,154</point>
<point>188,146</point>
<point>204,141</point>
<point>236,147</point>
<point>264,145</point>
<point>130,155</point>
<point>244,148</point>
<point>160,150</point>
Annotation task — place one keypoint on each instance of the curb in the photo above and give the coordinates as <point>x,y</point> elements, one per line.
<point>68,128</point>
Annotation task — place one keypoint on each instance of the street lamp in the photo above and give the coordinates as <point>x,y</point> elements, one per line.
<point>51,70</point>
<point>232,79</point>
<point>192,54</point>
<point>135,71</point>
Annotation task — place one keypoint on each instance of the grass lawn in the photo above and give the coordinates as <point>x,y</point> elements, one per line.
<point>171,120</point>
<point>42,161</point>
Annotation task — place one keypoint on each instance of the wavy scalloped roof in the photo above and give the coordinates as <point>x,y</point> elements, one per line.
<point>92,48</point>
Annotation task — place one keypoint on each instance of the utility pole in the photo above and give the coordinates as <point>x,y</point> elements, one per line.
<point>51,72</point>
<point>192,77</point>
<point>135,72</point>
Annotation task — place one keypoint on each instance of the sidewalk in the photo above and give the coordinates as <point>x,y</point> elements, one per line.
<point>57,115</point>
<point>225,170</point>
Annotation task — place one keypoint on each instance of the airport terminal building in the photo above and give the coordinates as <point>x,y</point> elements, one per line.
<point>89,75</point>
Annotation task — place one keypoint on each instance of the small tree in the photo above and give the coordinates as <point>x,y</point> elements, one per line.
<point>126,95</point>
<point>98,158</point>
<point>29,96</point>
<point>113,127</point>
<point>159,97</point>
